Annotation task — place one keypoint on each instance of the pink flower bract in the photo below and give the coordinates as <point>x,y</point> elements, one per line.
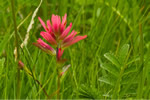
<point>45,47</point>
<point>57,34</point>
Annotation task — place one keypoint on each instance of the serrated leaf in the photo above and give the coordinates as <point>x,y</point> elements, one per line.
<point>110,68</point>
<point>108,80</point>
<point>112,59</point>
<point>123,53</point>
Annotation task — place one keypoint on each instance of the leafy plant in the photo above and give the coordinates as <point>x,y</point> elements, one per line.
<point>118,71</point>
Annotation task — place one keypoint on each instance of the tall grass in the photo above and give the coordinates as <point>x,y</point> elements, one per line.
<point>16,52</point>
<point>111,63</point>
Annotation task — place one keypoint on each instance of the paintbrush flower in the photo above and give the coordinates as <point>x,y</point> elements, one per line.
<point>57,34</point>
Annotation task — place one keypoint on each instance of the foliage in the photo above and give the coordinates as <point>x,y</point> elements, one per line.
<point>113,62</point>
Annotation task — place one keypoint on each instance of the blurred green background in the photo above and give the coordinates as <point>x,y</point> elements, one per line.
<point>112,27</point>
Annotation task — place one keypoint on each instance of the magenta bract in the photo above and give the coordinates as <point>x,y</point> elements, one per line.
<point>57,34</point>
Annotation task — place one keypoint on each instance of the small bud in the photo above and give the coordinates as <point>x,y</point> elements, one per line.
<point>65,68</point>
<point>61,73</point>
<point>20,64</point>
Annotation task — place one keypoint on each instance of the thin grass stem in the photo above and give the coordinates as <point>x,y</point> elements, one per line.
<point>17,49</point>
<point>141,80</point>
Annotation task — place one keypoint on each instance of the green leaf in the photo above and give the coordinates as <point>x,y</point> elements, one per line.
<point>130,91</point>
<point>130,70</point>
<point>108,80</point>
<point>110,68</point>
<point>4,42</point>
<point>98,12</point>
<point>112,59</point>
<point>87,92</point>
<point>1,65</point>
<point>127,79</point>
<point>123,53</point>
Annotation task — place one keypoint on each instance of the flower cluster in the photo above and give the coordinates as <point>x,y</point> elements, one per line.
<point>57,34</point>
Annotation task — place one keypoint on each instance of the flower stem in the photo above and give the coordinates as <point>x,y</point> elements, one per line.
<point>17,48</point>
<point>58,86</point>
<point>33,77</point>
<point>42,87</point>
<point>58,76</point>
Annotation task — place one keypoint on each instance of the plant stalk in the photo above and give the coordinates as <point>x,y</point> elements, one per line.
<point>58,76</point>
<point>141,81</point>
<point>117,86</point>
<point>42,87</point>
<point>17,49</point>
<point>58,86</point>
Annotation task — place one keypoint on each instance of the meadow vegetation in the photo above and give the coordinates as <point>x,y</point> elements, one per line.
<point>113,62</point>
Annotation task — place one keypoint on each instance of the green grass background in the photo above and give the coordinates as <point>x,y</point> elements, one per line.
<point>115,28</point>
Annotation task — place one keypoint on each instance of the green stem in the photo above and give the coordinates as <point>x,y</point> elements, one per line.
<point>28,72</point>
<point>58,85</point>
<point>141,81</point>
<point>58,76</point>
<point>115,92</point>
<point>42,88</point>
<point>117,86</point>
<point>17,49</point>
<point>15,27</point>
